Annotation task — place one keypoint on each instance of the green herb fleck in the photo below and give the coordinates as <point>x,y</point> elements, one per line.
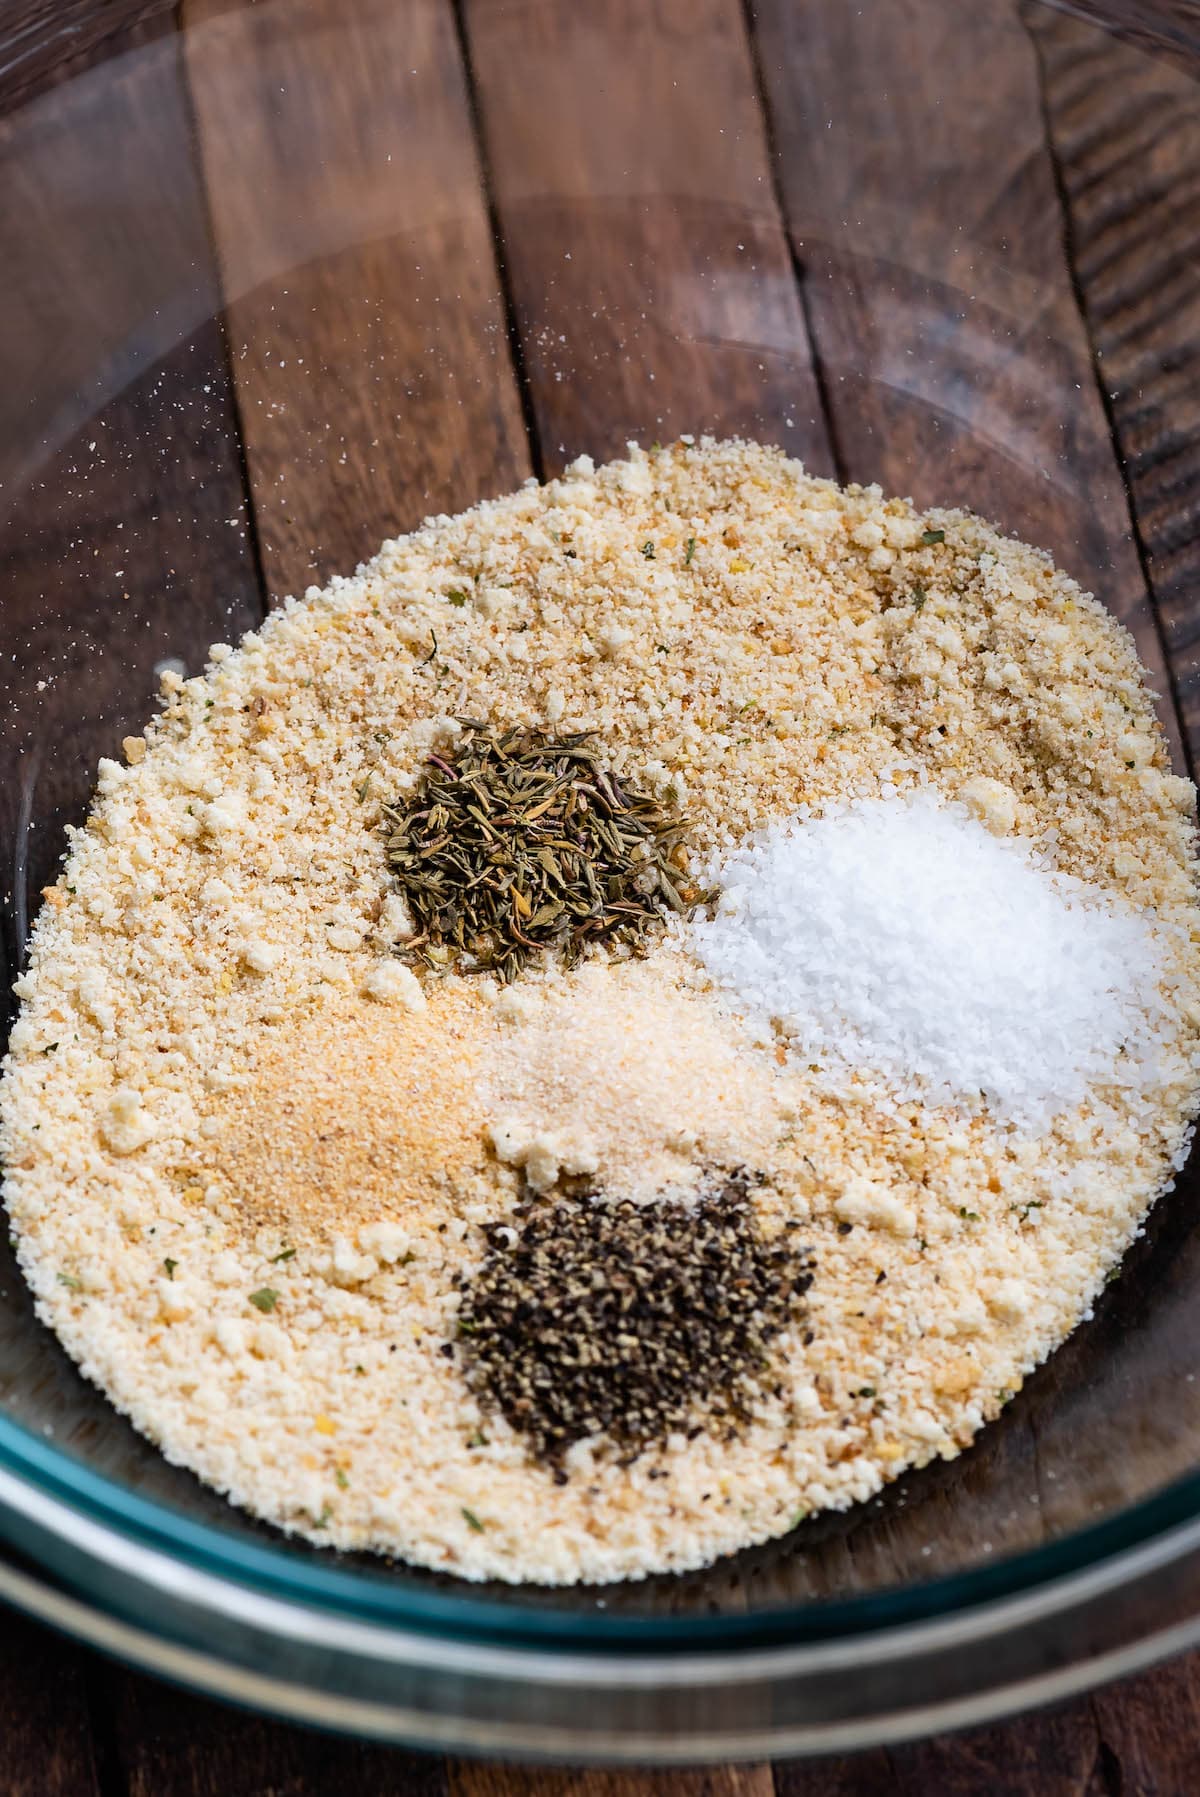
<point>343,1482</point>
<point>799,1518</point>
<point>478,1440</point>
<point>432,652</point>
<point>169,1267</point>
<point>364,789</point>
<point>867,1391</point>
<point>968,1216</point>
<point>918,596</point>
<point>322,1521</point>
<point>51,1046</point>
<point>284,1254</point>
<point>648,549</point>
<point>71,1282</point>
<point>456,596</point>
<point>933,536</point>
<point>691,550</point>
<point>264,1299</point>
<point>472,1521</point>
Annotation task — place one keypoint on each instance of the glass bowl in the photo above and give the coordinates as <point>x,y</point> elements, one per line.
<point>282,280</point>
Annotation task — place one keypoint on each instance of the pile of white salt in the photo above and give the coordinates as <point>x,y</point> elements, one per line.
<point>898,940</point>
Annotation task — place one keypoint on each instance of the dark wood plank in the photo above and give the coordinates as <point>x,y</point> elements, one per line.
<point>172,1744</point>
<point>104,246</point>
<point>1150,1731</point>
<point>1125,128</point>
<point>122,545</point>
<point>362,298</point>
<point>45,1729</point>
<point>921,199</point>
<point>46,41</point>
<point>473,1778</point>
<point>651,278</point>
<point>1169,29</point>
<point>126,552</point>
<point>1050,1753</point>
<point>870,1774</point>
<point>1056,1753</point>
<point>1138,1738</point>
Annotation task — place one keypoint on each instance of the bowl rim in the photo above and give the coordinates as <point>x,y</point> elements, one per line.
<point>74,1496</point>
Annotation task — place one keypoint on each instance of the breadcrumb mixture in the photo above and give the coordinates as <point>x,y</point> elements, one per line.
<point>249,1151</point>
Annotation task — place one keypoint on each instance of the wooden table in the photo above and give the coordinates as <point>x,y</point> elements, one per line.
<point>438,250</point>
<point>72,1725</point>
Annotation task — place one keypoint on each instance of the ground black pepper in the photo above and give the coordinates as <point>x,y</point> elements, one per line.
<point>597,1316</point>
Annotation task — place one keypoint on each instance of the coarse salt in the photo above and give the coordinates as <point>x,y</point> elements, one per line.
<point>900,939</point>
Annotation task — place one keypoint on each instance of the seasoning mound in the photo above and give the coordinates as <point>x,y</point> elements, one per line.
<point>595,1317</point>
<point>620,1074</point>
<point>524,842</point>
<point>902,940</point>
<point>254,1133</point>
<point>350,1115</point>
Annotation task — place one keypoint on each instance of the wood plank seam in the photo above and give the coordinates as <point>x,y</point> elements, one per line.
<point>927,218</point>
<point>503,278</point>
<point>1134,202</point>
<point>360,254</point>
<point>239,423</point>
<point>652,279</point>
<point>1070,257</point>
<point>799,271</point>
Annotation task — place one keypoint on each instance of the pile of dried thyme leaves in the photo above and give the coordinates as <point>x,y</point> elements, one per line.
<point>522,842</point>
<point>599,1317</point>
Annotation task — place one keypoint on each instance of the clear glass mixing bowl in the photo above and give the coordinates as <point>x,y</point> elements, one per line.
<point>281,280</point>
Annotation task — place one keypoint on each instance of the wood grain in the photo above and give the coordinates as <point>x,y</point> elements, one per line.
<point>362,300</point>
<point>172,1744</point>
<point>45,41</point>
<point>45,1728</point>
<point>1055,1753</point>
<point>104,246</point>
<point>1126,133</point>
<point>474,1778</point>
<point>650,274</point>
<point>128,550</point>
<point>1051,1753</point>
<point>922,204</point>
<point>1168,29</point>
<point>1149,1729</point>
<point>121,545</point>
<point>126,545</point>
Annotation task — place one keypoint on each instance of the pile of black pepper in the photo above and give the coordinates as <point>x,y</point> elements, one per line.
<point>597,1316</point>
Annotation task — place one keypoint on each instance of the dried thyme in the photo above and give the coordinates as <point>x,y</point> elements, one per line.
<point>593,1316</point>
<point>523,842</point>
